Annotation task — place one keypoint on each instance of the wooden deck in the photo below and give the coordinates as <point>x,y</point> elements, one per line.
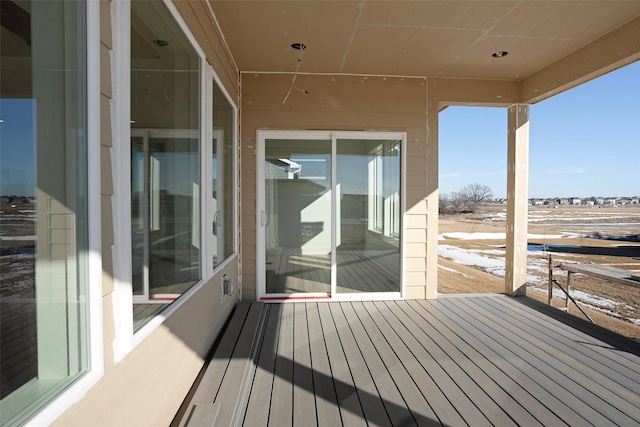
<point>18,343</point>
<point>459,360</point>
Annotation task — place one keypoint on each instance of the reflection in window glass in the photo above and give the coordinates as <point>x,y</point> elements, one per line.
<point>223,186</point>
<point>368,247</point>
<point>43,197</point>
<point>165,174</point>
<point>297,216</point>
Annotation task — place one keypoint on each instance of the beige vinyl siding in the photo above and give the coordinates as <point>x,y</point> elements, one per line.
<point>337,102</point>
<point>106,179</point>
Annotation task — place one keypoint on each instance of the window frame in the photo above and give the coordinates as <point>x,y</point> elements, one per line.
<point>63,401</point>
<point>207,214</point>
<point>125,338</point>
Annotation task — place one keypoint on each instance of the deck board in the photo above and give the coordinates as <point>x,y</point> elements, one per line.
<point>543,385</point>
<point>370,399</point>
<point>613,347</point>
<point>257,413</point>
<point>280,413</point>
<point>530,395</point>
<point>459,360</point>
<point>596,363</point>
<point>415,366</point>
<point>327,409</point>
<point>499,406</point>
<point>348,400</point>
<point>304,402</point>
<point>387,389</point>
<point>390,348</point>
<point>592,386</point>
<point>422,347</point>
<point>566,382</point>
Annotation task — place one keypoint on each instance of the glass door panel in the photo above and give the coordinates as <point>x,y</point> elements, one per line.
<point>368,215</point>
<point>297,216</point>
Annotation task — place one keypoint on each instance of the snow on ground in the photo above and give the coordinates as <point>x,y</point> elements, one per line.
<point>567,216</point>
<point>536,218</point>
<point>466,276</point>
<point>494,236</point>
<point>469,257</point>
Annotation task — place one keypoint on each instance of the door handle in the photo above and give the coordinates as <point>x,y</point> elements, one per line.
<point>264,219</point>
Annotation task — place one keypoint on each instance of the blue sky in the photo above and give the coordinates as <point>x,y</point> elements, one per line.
<point>583,142</point>
<point>17,147</point>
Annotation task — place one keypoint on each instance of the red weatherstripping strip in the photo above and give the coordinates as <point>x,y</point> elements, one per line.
<point>291,298</point>
<point>162,299</point>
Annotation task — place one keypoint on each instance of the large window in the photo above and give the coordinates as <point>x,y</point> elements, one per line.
<point>43,204</point>
<point>166,160</point>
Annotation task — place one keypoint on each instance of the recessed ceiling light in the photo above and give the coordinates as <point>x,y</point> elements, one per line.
<point>299,46</point>
<point>500,54</point>
<point>161,43</point>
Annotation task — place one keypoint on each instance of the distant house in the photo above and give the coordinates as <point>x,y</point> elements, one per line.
<point>575,201</point>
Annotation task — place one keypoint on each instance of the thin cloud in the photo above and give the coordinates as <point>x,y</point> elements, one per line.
<point>492,173</point>
<point>567,170</point>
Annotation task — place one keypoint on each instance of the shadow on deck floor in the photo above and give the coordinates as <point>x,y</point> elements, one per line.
<point>458,360</point>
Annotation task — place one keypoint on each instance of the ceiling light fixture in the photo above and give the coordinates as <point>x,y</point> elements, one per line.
<point>500,54</point>
<point>299,46</point>
<point>160,43</point>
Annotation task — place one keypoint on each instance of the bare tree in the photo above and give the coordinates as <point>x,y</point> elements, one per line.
<point>451,203</point>
<point>443,204</point>
<point>457,201</point>
<point>476,194</point>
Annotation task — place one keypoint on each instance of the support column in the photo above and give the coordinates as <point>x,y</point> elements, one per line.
<point>432,197</point>
<point>517,203</point>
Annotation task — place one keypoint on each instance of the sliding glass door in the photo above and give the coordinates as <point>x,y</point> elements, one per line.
<point>329,215</point>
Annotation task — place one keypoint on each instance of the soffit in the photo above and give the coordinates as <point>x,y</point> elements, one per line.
<point>415,38</point>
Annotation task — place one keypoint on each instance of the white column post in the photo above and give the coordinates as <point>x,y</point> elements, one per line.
<point>432,198</point>
<point>517,203</point>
